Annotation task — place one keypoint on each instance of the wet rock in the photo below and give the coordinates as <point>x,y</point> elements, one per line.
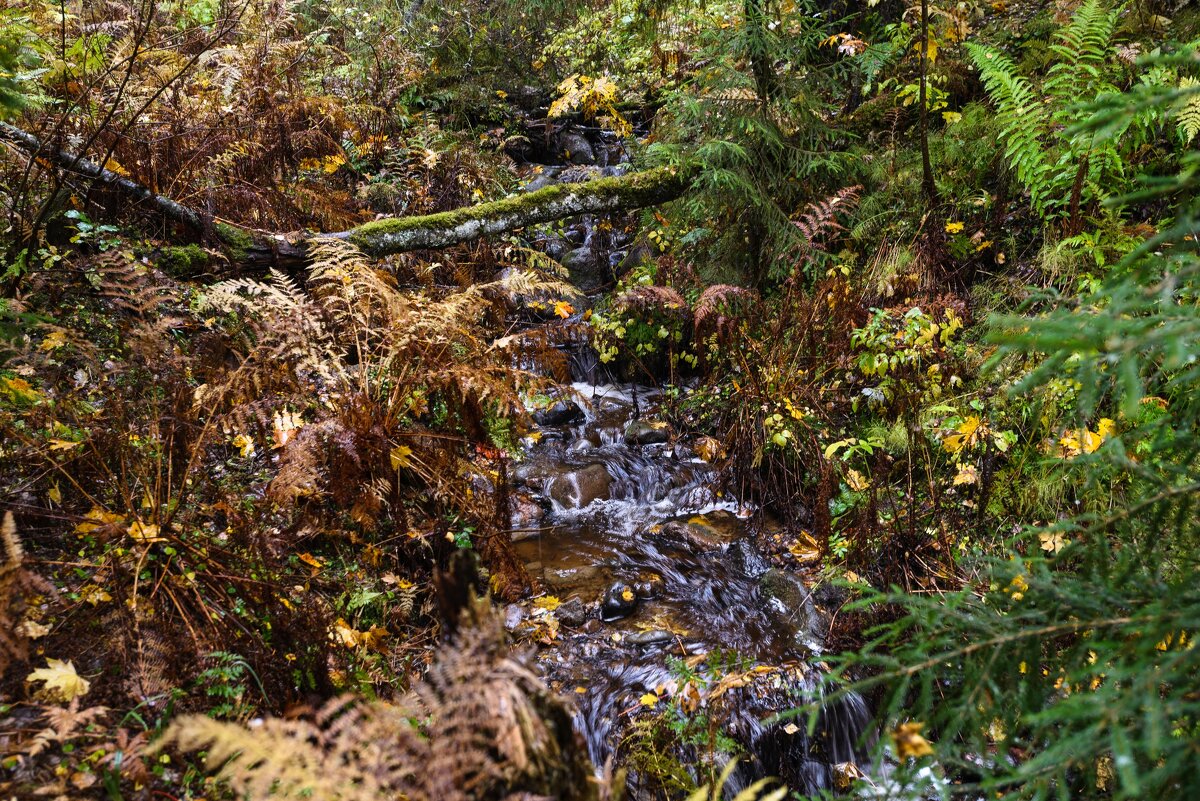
<point>794,601</point>
<point>649,585</point>
<point>592,625</point>
<point>513,615</point>
<point>746,559</point>
<point>579,488</point>
<point>649,637</point>
<point>584,269</point>
<point>646,432</point>
<point>561,412</point>
<point>619,601</point>
<point>571,613</point>
<point>525,511</point>
<point>547,177</point>
<point>576,148</point>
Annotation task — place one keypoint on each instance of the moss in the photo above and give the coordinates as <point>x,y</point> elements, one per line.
<point>628,191</point>
<point>237,242</point>
<point>183,261</point>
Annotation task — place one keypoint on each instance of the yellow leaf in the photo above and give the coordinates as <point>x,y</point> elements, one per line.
<point>97,518</point>
<point>54,494</point>
<point>1052,541</point>
<point>709,449</point>
<point>94,595</point>
<point>309,559</point>
<point>857,481</point>
<point>33,630</point>
<point>648,700</point>
<point>968,433</point>
<point>951,117</point>
<point>62,444</point>
<point>909,742</point>
<point>245,445</point>
<point>967,474</point>
<point>563,309</point>
<point>954,227</point>
<point>144,532</point>
<point>548,602</point>
<point>399,456</point>
<point>53,341</point>
<point>61,679</point>
<point>627,595</point>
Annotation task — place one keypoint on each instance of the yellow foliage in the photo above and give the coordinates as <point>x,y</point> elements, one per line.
<point>909,742</point>
<point>61,680</point>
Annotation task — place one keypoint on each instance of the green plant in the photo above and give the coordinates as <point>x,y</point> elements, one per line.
<point>1067,668</point>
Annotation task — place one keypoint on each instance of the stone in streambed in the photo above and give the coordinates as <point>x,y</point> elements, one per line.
<point>652,637</point>
<point>579,488</point>
<point>620,600</point>
<point>646,432</point>
<point>572,612</point>
<point>561,412</point>
<point>649,585</point>
<point>792,599</point>
<point>746,559</point>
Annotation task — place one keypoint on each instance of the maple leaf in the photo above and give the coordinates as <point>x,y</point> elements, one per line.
<point>61,679</point>
<point>1052,541</point>
<point>967,474</point>
<point>245,445</point>
<point>563,309</point>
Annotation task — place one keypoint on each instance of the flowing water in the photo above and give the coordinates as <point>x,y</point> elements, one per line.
<point>663,592</point>
<point>666,580</point>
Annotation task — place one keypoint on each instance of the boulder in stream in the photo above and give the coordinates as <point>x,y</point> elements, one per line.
<point>646,432</point>
<point>571,612</point>
<point>575,489</point>
<point>620,600</point>
<point>576,148</point>
<point>794,601</point>
<point>561,412</point>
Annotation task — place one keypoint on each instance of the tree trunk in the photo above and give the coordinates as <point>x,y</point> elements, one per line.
<point>258,250</point>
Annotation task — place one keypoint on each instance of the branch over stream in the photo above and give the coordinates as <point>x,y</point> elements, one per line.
<point>258,250</point>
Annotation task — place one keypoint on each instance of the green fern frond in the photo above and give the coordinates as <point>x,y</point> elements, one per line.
<point>1022,119</point>
<point>1187,114</point>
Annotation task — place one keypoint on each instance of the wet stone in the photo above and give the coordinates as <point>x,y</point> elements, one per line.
<point>649,585</point>
<point>652,637</point>
<point>646,432</point>
<point>620,600</point>
<point>745,559</point>
<point>579,488</point>
<point>561,412</point>
<point>513,615</point>
<point>571,613</point>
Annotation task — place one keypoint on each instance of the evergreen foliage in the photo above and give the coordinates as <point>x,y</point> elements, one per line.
<point>1067,670</point>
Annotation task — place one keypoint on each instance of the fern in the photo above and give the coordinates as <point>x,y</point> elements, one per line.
<point>1187,113</point>
<point>492,731</point>
<point>1052,157</point>
<point>1021,118</point>
<point>16,582</point>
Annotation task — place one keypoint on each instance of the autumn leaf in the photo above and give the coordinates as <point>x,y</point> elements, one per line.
<point>399,456</point>
<point>94,595</point>
<point>648,700</point>
<point>309,559</point>
<point>968,433</point>
<point>563,309</point>
<point>909,742</point>
<point>286,424</point>
<point>97,518</point>
<point>967,474</point>
<point>548,602</point>
<point>1052,541</point>
<point>857,481</point>
<point>245,445</point>
<point>144,532</point>
<point>61,680</point>
<point>954,227</point>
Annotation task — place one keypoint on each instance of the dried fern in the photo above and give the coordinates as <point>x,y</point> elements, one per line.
<point>493,732</point>
<point>16,583</point>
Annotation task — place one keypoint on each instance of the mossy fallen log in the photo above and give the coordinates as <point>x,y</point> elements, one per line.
<point>250,249</point>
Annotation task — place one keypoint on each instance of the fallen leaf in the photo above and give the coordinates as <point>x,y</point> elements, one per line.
<point>648,700</point>
<point>144,532</point>
<point>61,679</point>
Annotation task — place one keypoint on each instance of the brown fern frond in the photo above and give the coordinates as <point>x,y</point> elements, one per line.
<point>720,305</point>
<point>16,583</point>
<point>493,732</point>
<point>819,219</point>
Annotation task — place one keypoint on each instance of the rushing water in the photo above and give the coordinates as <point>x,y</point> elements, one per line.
<point>647,518</point>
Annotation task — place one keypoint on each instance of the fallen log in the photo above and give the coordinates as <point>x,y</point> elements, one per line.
<point>258,250</point>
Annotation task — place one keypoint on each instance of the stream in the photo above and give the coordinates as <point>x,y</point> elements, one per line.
<point>654,595</point>
<point>662,593</point>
